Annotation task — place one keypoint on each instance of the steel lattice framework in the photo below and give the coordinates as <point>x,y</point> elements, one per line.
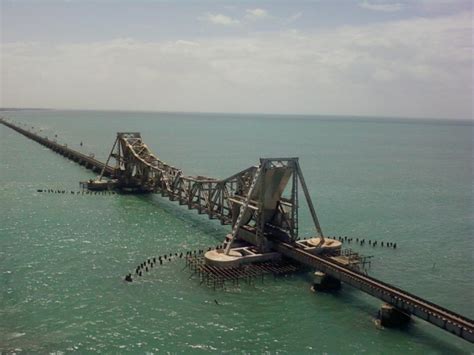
<point>251,200</point>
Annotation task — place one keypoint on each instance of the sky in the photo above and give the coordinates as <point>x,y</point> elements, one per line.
<point>383,58</point>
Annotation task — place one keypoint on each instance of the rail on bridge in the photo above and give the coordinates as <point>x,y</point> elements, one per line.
<point>404,301</point>
<point>88,161</point>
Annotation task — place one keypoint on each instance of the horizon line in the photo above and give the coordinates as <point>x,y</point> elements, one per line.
<point>408,118</point>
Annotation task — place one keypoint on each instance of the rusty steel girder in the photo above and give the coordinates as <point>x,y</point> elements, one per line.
<point>252,200</point>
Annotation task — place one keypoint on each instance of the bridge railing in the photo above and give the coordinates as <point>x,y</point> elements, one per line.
<point>426,310</point>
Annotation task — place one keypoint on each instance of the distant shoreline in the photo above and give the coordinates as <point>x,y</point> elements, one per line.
<point>331,117</point>
<point>3,109</point>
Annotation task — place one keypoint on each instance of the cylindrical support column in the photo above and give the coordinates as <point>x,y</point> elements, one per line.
<point>323,282</point>
<point>391,316</point>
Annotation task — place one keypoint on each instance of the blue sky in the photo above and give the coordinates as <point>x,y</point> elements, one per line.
<point>379,58</point>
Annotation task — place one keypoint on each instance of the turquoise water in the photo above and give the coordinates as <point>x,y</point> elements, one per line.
<point>63,257</point>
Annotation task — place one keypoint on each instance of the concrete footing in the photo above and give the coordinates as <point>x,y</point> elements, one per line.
<point>323,282</point>
<point>238,257</point>
<point>317,246</point>
<point>390,316</point>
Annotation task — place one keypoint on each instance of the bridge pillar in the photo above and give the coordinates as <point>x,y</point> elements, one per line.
<point>323,282</point>
<point>391,316</point>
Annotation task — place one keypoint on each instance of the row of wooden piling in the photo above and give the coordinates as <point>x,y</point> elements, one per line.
<point>217,277</point>
<point>151,262</point>
<point>71,192</point>
<point>211,275</point>
<point>363,241</point>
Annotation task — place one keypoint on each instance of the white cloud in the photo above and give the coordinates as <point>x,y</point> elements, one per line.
<point>186,43</point>
<point>384,7</point>
<point>294,17</point>
<point>256,14</point>
<point>420,67</point>
<point>219,19</point>
<point>442,6</point>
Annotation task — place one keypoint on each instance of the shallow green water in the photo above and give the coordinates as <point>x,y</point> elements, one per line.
<point>63,257</point>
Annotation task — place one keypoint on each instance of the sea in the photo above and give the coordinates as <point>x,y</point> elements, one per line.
<point>63,257</point>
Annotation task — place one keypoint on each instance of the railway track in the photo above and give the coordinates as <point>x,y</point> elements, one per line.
<point>403,300</point>
<point>89,162</point>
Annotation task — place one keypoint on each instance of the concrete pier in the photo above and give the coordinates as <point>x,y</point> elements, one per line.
<point>391,316</point>
<point>401,300</point>
<point>324,282</point>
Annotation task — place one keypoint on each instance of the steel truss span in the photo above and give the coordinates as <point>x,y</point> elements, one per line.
<point>260,202</point>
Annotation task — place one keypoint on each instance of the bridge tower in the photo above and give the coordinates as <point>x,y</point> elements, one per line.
<point>261,202</point>
<point>138,169</point>
<point>268,210</point>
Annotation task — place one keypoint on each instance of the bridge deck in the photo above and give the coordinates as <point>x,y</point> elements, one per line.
<point>428,311</point>
<point>87,161</point>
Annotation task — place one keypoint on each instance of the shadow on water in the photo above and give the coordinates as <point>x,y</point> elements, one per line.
<point>424,333</point>
<point>212,228</point>
<point>419,330</point>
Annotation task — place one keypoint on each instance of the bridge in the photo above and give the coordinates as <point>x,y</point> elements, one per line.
<point>88,161</point>
<point>261,204</point>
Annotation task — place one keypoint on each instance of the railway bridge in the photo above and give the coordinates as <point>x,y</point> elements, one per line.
<point>88,161</point>
<point>261,204</point>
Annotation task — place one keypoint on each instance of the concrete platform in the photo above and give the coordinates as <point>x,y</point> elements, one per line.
<point>237,257</point>
<point>314,246</point>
